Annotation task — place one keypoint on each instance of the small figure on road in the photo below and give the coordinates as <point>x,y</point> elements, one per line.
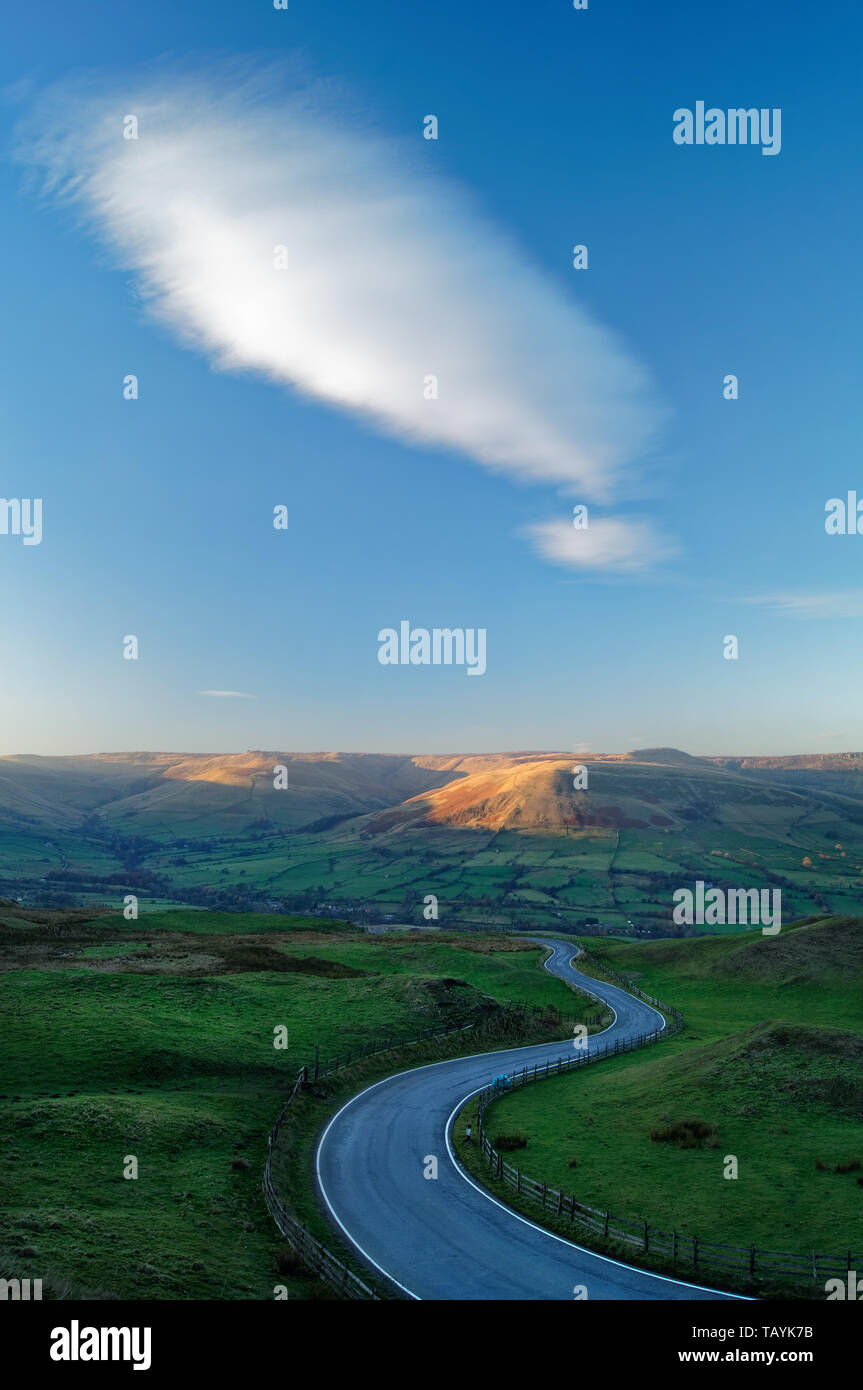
<point>467,1135</point>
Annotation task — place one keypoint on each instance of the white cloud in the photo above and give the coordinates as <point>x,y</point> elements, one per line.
<point>615,544</point>
<point>845,604</point>
<point>228,694</point>
<point>393,274</point>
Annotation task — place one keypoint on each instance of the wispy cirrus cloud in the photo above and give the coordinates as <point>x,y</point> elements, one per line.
<point>617,545</point>
<point>393,274</point>
<point>846,603</point>
<point>228,694</point>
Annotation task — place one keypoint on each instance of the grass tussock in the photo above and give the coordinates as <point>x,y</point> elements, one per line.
<point>687,1134</point>
<point>508,1143</point>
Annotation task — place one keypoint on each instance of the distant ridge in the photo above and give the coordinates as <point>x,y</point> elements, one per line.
<point>199,794</point>
<point>661,755</point>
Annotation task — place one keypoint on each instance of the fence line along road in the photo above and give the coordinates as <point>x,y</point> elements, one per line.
<point>743,1260</point>
<point>310,1250</point>
<point>318,1068</point>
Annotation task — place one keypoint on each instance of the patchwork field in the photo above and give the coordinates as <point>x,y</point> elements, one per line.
<point>501,840</point>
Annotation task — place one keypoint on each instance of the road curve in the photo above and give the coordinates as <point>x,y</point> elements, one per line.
<point>446,1238</point>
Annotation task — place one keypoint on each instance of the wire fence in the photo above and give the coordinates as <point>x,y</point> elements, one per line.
<point>673,1246</point>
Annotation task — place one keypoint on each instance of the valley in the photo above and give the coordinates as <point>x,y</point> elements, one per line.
<point>498,840</point>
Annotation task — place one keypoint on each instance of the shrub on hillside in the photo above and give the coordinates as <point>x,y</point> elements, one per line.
<point>505,1143</point>
<point>289,1262</point>
<point>687,1134</point>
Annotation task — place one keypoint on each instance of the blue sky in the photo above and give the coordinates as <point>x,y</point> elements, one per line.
<point>555,129</point>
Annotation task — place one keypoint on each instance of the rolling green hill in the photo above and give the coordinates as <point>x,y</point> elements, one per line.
<point>156,1040</point>
<point>498,839</point>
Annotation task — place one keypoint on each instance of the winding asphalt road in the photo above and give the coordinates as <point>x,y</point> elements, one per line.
<point>447,1238</point>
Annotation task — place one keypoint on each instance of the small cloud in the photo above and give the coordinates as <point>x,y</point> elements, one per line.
<point>847,604</point>
<point>610,543</point>
<point>227,694</point>
<point>834,733</point>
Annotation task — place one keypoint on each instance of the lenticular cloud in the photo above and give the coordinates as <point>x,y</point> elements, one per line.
<point>391,276</point>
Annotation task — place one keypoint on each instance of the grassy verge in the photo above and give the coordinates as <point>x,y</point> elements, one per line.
<point>121,1041</point>
<point>469,1156</point>
<point>783,1097</point>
